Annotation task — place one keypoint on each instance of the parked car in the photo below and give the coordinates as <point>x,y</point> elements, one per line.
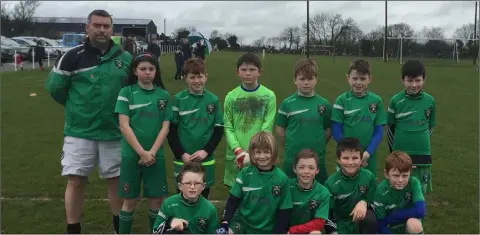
<point>141,46</point>
<point>12,45</point>
<point>52,50</point>
<point>7,53</point>
<point>26,43</point>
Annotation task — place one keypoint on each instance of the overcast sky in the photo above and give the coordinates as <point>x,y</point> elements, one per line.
<point>251,20</point>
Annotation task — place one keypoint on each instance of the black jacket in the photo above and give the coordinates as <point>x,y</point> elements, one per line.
<point>154,49</point>
<point>187,51</point>
<point>179,59</point>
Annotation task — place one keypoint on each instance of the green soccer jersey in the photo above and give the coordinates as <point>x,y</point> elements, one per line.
<point>305,120</point>
<point>388,199</point>
<point>308,204</point>
<point>359,115</point>
<point>412,116</point>
<point>196,116</point>
<point>201,216</point>
<point>147,110</point>
<point>347,191</point>
<point>261,195</point>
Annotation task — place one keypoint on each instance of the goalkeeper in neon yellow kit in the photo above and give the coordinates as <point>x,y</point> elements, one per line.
<point>248,109</point>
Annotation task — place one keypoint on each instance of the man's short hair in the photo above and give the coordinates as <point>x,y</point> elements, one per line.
<point>398,160</point>
<point>99,12</point>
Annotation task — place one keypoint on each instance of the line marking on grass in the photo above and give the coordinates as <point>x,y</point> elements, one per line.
<point>49,199</point>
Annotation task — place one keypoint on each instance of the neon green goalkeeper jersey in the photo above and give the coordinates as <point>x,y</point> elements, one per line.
<point>246,112</point>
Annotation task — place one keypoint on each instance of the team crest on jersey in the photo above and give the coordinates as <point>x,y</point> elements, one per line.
<point>321,109</point>
<point>210,108</point>
<point>162,104</point>
<point>202,223</point>
<point>363,189</point>
<point>372,108</point>
<point>428,112</point>
<point>119,64</point>
<point>276,190</point>
<point>313,204</point>
<point>407,196</point>
<point>237,226</point>
<point>126,187</point>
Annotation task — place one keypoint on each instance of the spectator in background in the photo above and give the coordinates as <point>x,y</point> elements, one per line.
<point>154,48</point>
<point>186,50</point>
<point>39,53</point>
<point>200,50</point>
<point>179,62</point>
<point>130,45</point>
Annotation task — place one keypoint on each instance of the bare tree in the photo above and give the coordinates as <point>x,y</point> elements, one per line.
<point>465,32</point>
<point>24,10</point>
<point>259,43</point>
<point>432,32</point>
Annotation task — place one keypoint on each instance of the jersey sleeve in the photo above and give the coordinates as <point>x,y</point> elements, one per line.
<point>324,207</point>
<point>379,204</point>
<point>218,114</point>
<point>391,113</point>
<point>175,111</point>
<point>282,116</point>
<point>327,118</point>
<point>162,216</point>
<point>236,189</point>
<point>432,117</point>
<point>270,111</point>
<point>286,197</point>
<point>59,79</point>
<point>337,111</point>
<point>121,107</point>
<point>168,111</point>
<point>372,187</point>
<point>229,129</point>
<point>329,188</point>
<point>417,190</point>
<point>213,221</point>
<point>381,118</point>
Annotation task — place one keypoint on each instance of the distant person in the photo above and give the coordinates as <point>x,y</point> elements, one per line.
<point>200,50</point>
<point>186,50</point>
<point>39,54</point>
<point>154,48</point>
<point>88,89</point>
<point>130,45</point>
<point>179,62</point>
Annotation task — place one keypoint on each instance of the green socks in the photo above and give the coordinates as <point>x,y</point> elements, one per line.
<point>126,220</point>
<point>152,216</point>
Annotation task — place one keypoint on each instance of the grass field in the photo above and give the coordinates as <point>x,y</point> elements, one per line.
<point>32,189</point>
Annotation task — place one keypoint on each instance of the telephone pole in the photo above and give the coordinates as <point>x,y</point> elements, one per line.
<point>385,36</point>
<point>307,52</point>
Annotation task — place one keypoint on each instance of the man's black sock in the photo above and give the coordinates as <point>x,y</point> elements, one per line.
<point>74,228</point>
<point>116,220</point>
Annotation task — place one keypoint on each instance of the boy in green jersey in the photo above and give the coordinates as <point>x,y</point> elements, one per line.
<point>359,113</point>
<point>144,114</point>
<point>248,109</point>
<point>197,125</point>
<point>303,119</point>
<point>259,201</point>
<point>411,118</point>
<point>187,211</point>
<point>399,202</point>
<point>352,189</point>
<point>310,199</point>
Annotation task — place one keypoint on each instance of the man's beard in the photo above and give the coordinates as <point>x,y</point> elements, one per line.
<point>101,44</point>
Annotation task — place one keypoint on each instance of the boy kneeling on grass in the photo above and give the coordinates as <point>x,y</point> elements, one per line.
<point>187,211</point>
<point>399,202</point>
<point>352,189</point>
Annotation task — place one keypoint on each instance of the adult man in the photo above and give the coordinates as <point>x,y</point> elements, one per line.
<point>130,45</point>
<point>200,50</point>
<point>87,80</point>
<point>154,48</point>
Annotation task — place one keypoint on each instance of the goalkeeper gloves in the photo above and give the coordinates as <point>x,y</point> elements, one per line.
<point>242,158</point>
<point>223,228</point>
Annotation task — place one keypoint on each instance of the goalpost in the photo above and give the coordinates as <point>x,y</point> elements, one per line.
<point>440,49</point>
